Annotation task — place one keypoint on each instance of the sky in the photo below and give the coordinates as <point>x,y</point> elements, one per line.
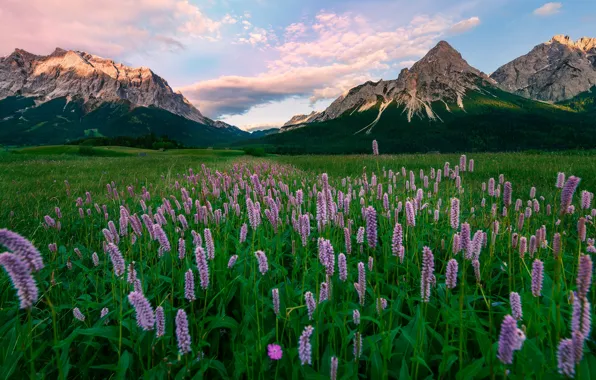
<point>256,63</point>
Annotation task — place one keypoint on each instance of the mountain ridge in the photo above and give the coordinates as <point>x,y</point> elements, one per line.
<point>94,79</point>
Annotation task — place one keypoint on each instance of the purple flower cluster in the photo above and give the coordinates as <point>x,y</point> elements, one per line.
<point>510,339</point>
<point>537,277</point>
<point>144,311</point>
<point>21,278</point>
<point>201,260</point>
<point>451,274</point>
<point>117,259</point>
<point>182,332</point>
<point>304,346</point>
<point>371,227</point>
<point>262,259</point>
<point>310,304</point>
<point>427,277</point>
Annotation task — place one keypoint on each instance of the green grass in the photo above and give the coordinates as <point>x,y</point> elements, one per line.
<point>232,322</point>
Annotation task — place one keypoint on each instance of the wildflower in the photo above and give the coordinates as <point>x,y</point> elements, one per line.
<point>356,317</point>
<point>371,227</point>
<point>361,282</point>
<point>161,237</point>
<point>21,278</point>
<point>375,148</point>
<point>275,297</point>
<point>586,199</point>
<point>78,315</point>
<point>310,304</point>
<point>304,346</point>
<point>360,235</point>
<point>507,193</point>
<point>581,228</point>
<point>560,180</point>
<point>323,292</point>
<point>189,285</point>
<point>243,232</point>
<point>182,334</point>
<point>454,216</point>
<point>451,274</point>
<point>427,277</point>
<point>567,192</point>
<point>410,215</point>
<point>145,315</point>
<point>584,276</point>
<point>181,248</point>
<point>274,351</point>
<point>132,273</point>
<point>160,322</point>
<point>516,306</point>
<point>510,339</point>
<point>209,244</point>
<point>262,258</point>
<point>333,369</point>
<point>557,245</point>
<point>201,260</point>
<point>347,240</point>
<point>537,277</point>
<point>523,246</point>
<point>397,240</point>
<point>22,248</point>
<point>232,261</point>
<point>117,260</point>
<point>565,358</point>
<point>343,269</point>
<point>137,286</point>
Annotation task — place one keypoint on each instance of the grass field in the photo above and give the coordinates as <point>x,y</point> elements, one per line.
<point>413,323</point>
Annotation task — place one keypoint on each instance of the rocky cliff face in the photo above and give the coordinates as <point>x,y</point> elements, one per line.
<point>301,119</point>
<point>442,75</point>
<point>95,80</point>
<point>553,71</point>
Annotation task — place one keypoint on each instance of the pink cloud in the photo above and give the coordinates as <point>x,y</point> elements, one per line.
<point>464,25</point>
<point>341,51</point>
<point>110,28</point>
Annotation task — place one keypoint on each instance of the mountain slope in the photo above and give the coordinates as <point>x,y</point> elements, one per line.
<point>440,104</point>
<point>553,71</point>
<point>62,120</point>
<point>56,98</point>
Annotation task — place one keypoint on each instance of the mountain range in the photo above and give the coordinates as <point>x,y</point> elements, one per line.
<point>542,100</point>
<point>68,95</point>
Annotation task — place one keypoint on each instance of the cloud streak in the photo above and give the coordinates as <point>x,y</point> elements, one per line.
<point>548,9</point>
<point>324,59</point>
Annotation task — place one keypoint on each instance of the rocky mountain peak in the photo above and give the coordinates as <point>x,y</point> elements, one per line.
<point>556,70</point>
<point>585,44</point>
<point>95,80</point>
<point>562,39</point>
<point>442,75</point>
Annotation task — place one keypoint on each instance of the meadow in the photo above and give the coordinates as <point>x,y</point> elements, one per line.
<point>212,264</point>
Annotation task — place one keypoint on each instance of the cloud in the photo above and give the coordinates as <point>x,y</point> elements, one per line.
<point>336,52</point>
<point>548,9</point>
<point>112,28</point>
<point>464,25</point>
<point>295,30</point>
